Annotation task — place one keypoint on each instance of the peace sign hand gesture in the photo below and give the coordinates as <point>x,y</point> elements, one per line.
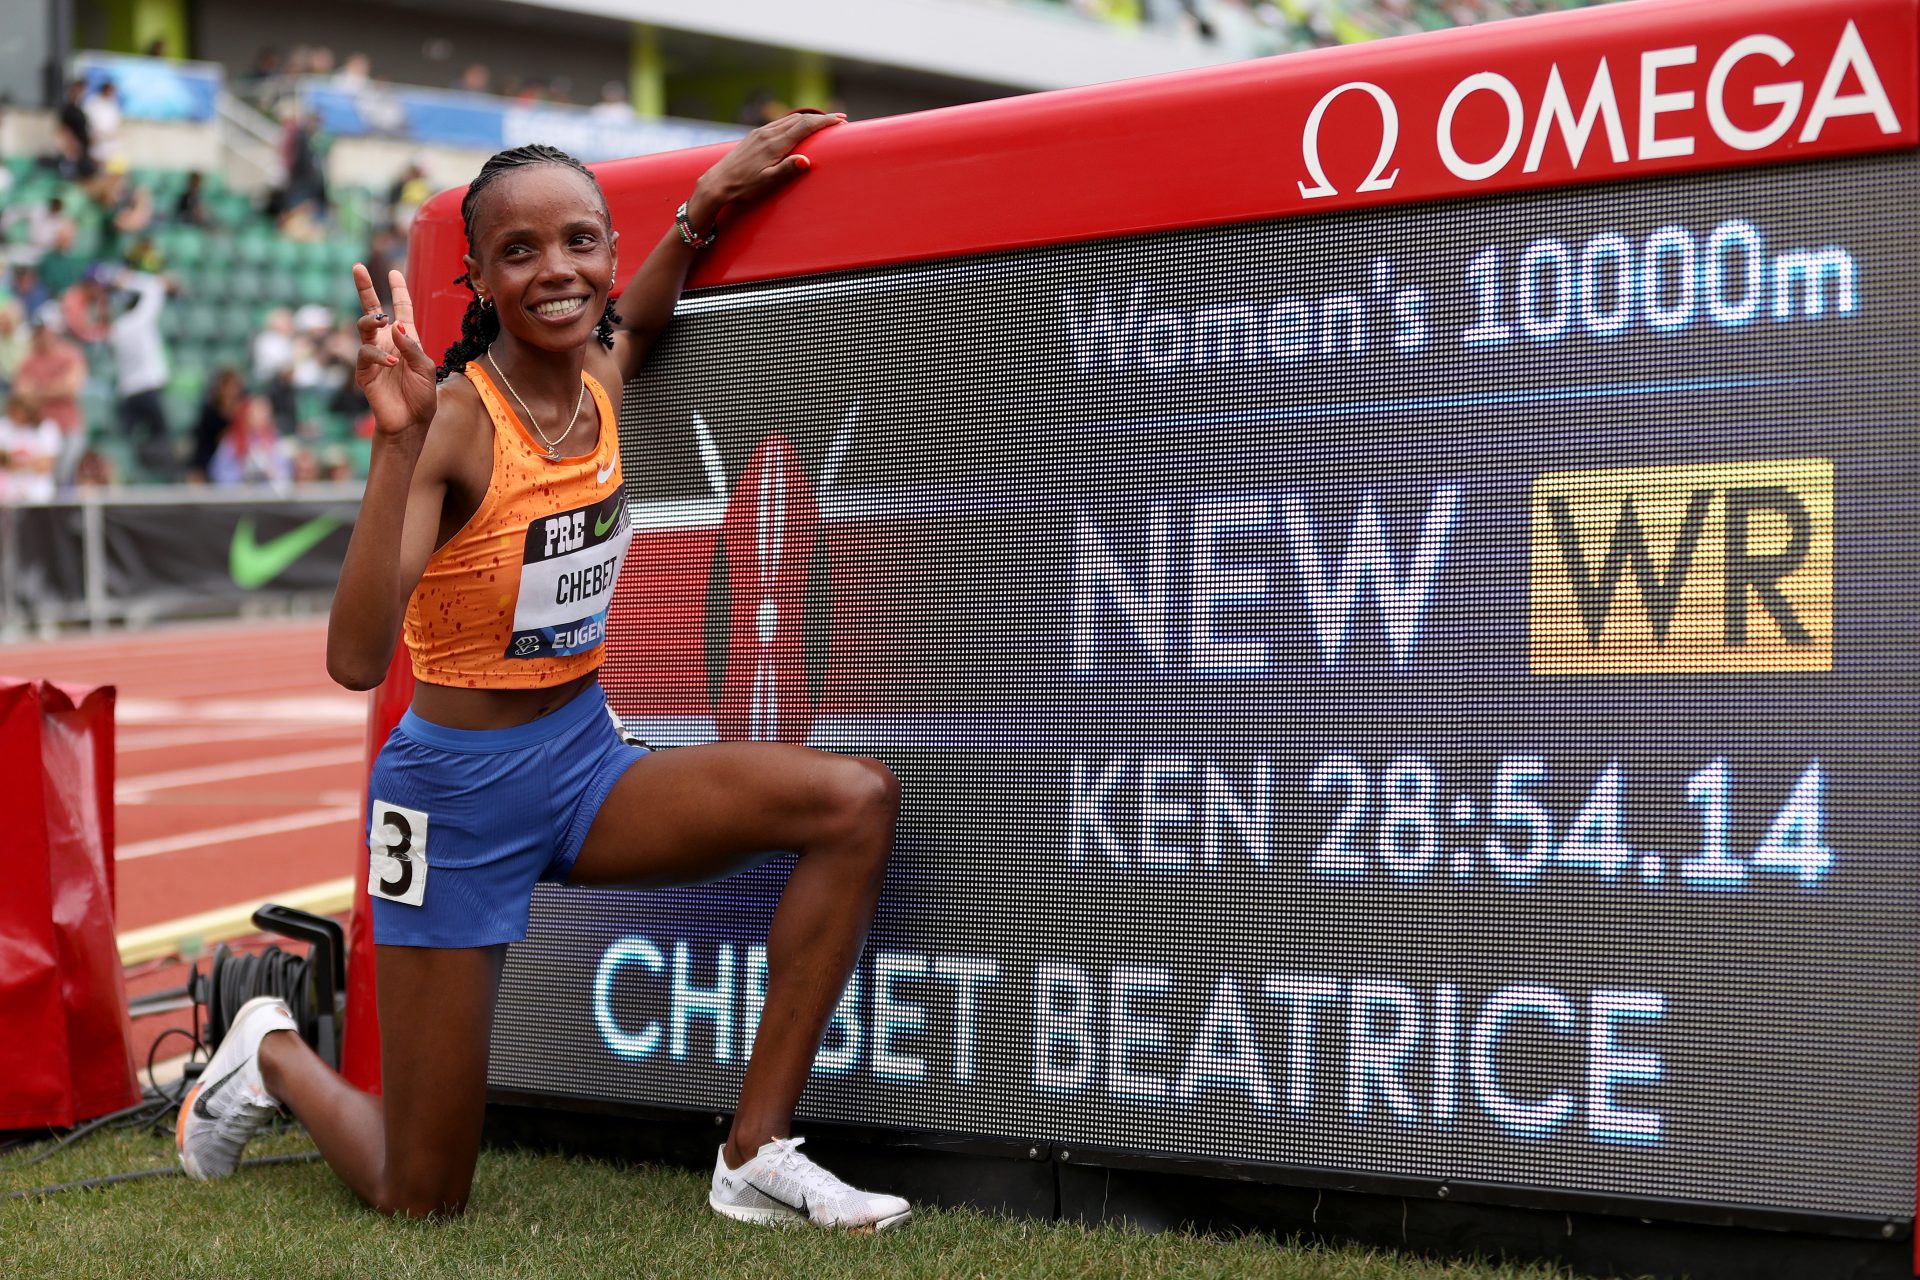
<point>393,372</point>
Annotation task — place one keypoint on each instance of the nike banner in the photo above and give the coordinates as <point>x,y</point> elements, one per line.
<point>171,558</point>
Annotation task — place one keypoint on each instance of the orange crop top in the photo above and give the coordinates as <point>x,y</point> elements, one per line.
<point>518,598</point>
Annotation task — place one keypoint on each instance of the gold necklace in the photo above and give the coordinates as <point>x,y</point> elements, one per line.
<point>553,446</point>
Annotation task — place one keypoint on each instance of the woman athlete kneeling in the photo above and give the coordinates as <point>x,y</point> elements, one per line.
<point>494,492</point>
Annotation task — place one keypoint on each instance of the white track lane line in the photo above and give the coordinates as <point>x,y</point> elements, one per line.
<point>160,739</point>
<point>316,709</point>
<point>186,639</point>
<point>239,831</point>
<point>132,790</point>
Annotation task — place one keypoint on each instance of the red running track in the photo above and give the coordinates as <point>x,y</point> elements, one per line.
<point>239,765</point>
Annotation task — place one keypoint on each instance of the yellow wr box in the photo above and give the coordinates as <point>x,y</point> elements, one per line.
<point>1717,568</point>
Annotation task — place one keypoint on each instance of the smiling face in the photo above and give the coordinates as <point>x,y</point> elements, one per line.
<point>543,253</point>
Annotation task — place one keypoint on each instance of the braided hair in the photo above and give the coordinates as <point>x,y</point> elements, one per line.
<point>480,325</point>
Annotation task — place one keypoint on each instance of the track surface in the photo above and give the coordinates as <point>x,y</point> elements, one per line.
<point>239,770</point>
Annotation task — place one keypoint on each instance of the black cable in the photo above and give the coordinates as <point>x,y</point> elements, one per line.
<point>152,1049</point>
<point>90,1184</point>
<point>72,1136</point>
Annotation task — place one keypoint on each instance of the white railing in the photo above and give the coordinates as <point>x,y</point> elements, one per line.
<point>249,146</point>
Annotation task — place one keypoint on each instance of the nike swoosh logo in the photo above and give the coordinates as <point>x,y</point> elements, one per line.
<point>800,1208</point>
<point>600,527</point>
<point>255,564</point>
<point>600,477</point>
<point>207,1091</point>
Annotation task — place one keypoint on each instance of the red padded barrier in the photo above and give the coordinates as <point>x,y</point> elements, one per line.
<point>66,1055</point>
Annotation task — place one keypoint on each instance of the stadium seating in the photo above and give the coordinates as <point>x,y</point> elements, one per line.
<point>232,274</point>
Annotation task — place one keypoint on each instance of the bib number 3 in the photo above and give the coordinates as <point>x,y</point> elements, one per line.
<point>397,845</point>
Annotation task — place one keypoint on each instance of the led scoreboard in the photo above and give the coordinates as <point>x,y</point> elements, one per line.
<point>1388,578</point>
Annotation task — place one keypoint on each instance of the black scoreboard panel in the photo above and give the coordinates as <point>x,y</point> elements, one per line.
<point>1425,692</point>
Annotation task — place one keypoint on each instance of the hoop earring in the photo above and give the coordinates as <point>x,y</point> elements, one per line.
<point>486,303</point>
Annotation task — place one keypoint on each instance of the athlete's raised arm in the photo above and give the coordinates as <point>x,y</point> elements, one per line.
<point>399,516</point>
<point>759,164</point>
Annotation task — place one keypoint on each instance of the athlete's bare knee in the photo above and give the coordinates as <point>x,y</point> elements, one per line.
<point>422,1188</point>
<point>859,798</point>
<point>887,799</point>
<point>421,1198</point>
<point>871,793</point>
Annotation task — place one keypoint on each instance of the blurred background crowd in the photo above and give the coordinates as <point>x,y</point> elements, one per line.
<point>176,232</point>
<point>1258,27</point>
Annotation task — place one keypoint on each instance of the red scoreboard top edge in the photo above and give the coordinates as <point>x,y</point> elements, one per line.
<point>1620,91</point>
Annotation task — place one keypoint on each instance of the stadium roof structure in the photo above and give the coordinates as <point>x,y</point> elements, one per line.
<point>1023,47</point>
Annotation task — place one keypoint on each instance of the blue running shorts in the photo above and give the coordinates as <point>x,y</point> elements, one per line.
<point>463,822</point>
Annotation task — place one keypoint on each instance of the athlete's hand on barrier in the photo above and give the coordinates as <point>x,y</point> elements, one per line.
<point>394,373</point>
<point>763,160</point>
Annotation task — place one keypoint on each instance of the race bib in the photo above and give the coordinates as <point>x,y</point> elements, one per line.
<point>570,565</point>
<point>397,843</point>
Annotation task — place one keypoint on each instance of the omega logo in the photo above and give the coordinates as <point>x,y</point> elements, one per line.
<point>1668,120</point>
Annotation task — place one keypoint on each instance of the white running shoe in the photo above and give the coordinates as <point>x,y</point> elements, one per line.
<point>230,1103</point>
<point>779,1185</point>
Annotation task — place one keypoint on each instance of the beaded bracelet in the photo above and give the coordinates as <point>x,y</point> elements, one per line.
<point>687,233</point>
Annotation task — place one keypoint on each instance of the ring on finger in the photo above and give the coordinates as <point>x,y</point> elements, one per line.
<point>381,316</point>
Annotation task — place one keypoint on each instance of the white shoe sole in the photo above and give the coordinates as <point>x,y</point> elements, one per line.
<point>769,1217</point>
<point>888,1224</point>
<point>780,1217</point>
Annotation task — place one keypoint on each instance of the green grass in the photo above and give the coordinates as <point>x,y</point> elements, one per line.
<point>552,1217</point>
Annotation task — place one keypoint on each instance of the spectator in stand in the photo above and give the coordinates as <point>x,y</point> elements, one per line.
<point>29,290</point>
<point>128,206</point>
<point>157,47</point>
<point>59,268</point>
<point>13,340</point>
<point>408,192</point>
<point>29,452</point>
<point>73,136</point>
<point>302,200</point>
<point>387,251</point>
<point>103,123</point>
<point>217,412</point>
<point>267,63</point>
<point>252,451</point>
<point>320,60</point>
<point>613,105</point>
<point>273,346</point>
<point>144,255</point>
<point>50,379</point>
<point>45,225</point>
<point>306,466</point>
<point>477,78</point>
<point>140,368</point>
<point>282,395</point>
<point>190,210</point>
<point>335,466</point>
<point>761,108</point>
<point>355,74</point>
<point>94,470</point>
<point>316,361</point>
<point>85,308</point>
